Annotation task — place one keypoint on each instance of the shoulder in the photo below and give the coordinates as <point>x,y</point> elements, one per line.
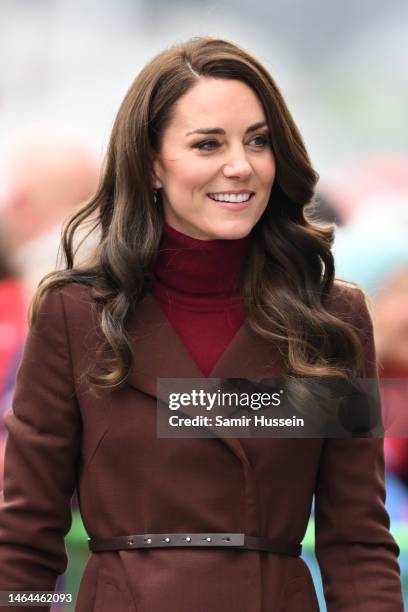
<point>349,302</point>
<point>71,302</point>
<point>70,316</point>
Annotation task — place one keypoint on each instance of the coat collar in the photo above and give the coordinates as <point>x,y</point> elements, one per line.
<point>158,352</point>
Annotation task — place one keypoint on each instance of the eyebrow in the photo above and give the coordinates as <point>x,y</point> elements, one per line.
<point>251,128</point>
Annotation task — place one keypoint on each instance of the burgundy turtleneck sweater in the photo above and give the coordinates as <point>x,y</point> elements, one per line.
<point>196,285</point>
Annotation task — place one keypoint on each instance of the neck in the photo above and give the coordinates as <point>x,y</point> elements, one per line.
<point>188,265</point>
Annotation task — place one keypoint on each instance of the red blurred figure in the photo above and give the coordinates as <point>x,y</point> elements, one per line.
<point>391,322</point>
<point>13,329</point>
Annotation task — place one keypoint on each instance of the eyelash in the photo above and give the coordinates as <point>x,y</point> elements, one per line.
<point>201,145</point>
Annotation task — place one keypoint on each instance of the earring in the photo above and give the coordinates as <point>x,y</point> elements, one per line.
<point>155,196</point>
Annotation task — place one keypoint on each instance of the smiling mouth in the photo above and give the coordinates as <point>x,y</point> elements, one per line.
<point>231,197</point>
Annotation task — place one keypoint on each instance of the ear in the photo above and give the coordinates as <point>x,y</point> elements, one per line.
<point>156,173</point>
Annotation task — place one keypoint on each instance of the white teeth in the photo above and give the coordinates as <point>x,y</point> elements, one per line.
<point>230,197</point>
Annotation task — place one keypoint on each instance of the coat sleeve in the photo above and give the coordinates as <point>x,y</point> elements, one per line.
<point>356,553</point>
<point>40,458</point>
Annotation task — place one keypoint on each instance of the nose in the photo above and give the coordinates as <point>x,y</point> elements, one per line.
<point>237,166</point>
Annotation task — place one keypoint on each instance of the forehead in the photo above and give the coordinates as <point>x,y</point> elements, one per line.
<point>223,103</point>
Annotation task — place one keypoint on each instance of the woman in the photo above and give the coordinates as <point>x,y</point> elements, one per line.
<point>206,266</point>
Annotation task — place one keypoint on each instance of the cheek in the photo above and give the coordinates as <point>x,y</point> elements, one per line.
<point>266,170</point>
<point>189,174</point>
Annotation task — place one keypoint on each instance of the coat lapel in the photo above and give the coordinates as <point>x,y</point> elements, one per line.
<point>158,352</point>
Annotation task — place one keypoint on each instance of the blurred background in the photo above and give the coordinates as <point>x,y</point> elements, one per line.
<point>65,66</point>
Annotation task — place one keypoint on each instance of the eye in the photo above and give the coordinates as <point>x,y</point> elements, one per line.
<point>206,145</point>
<point>262,140</point>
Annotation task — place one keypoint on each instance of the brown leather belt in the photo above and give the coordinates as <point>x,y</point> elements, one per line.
<point>239,541</point>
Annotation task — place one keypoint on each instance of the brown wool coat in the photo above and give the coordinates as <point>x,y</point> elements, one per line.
<point>130,481</point>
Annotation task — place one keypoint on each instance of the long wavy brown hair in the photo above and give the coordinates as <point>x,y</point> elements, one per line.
<point>289,270</point>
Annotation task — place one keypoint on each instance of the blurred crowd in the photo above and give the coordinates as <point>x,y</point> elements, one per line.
<point>46,176</point>
<point>371,249</point>
<point>49,175</point>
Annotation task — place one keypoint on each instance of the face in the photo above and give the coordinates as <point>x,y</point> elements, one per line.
<point>215,168</point>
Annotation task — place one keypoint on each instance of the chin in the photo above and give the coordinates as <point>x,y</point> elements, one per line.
<point>231,231</point>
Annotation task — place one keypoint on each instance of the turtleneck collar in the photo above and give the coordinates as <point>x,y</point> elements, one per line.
<point>187,265</point>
